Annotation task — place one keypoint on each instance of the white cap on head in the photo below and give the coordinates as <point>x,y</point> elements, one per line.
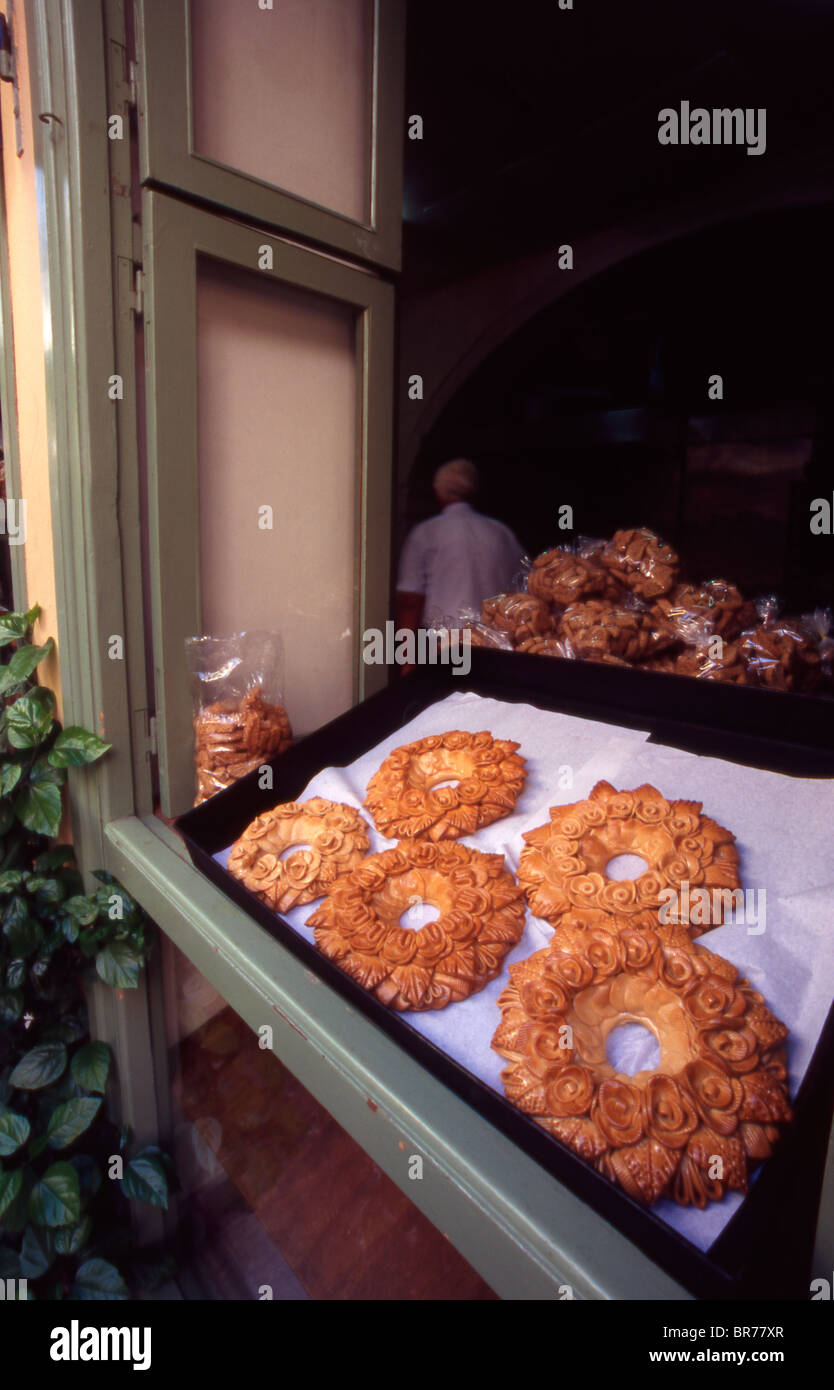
<point>456,481</point>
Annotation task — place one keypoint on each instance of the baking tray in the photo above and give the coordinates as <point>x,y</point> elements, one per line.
<point>765,1250</point>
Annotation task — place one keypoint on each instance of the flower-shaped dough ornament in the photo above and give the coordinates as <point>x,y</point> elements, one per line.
<point>687,1129</point>
<point>408,799</point>
<point>563,864</point>
<point>481,917</point>
<point>337,837</point>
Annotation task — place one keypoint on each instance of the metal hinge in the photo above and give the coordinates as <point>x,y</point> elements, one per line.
<point>132,71</point>
<point>153,740</point>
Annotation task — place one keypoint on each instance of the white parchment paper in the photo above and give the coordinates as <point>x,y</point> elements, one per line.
<point>784,827</point>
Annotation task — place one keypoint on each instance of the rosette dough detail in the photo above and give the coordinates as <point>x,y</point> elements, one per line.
<point>481,917</point>
<point>445,786</point>
<point>563,863</point>
<point>337,838</point>
<point>688,1129</point>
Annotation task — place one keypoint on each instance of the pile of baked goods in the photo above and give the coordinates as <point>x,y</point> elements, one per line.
<point>231,737</point>
<point>623,602</point>
<point>689,1128</point>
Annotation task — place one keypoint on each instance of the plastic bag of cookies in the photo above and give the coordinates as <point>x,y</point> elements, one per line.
<point>239,716</point>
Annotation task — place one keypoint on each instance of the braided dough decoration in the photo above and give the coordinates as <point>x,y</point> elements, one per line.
<point>405,800</point>
<point>336,833</point>
<point>720,1090</point>
<point>563,864</point>
<point>596,628</point>
<point>642,562</point>
<point>520,615</point>
<point>481,918</point>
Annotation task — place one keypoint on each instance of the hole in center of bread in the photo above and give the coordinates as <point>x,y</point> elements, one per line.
<point>418,914</point>
<point>625,866</point>
<point>293,849</point>
<point>631,1048</point>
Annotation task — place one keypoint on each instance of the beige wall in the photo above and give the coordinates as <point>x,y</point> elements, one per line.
<point>284,94</point>
<point>19,175</point>
<point>276,376</point>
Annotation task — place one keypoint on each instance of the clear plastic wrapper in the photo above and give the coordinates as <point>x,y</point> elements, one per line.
<point>518,615</point>
<point>560,576</point>
<point>820,625</point>
<point>598,629</point>
<point>695,610</point>
<point>639,560</point>
<point>238,712</point>
<point>481,634</point>
<point>782,656</point>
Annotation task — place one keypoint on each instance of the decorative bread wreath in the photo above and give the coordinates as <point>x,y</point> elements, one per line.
<point>406,801</point>
<point>338,840</point>
<point>481,918</point>
<point>563,864</point>
<point>686,1130</point>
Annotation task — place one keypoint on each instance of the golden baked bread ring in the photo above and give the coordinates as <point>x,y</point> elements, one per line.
<point>688,1128</point>
<point>336,833</point>
<point>563,864</point>
<point>481,918</point>
<point>406,801</point>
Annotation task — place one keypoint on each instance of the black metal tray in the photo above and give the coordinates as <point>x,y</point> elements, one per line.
<point>765,1250</point>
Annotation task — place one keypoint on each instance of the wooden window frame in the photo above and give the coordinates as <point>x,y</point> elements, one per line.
<point>168,157</point>
<point>176,235</point>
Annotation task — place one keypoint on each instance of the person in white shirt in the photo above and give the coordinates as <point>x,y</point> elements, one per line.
<point>454,560</point>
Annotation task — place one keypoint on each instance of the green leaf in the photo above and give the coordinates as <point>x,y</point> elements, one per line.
<point>84,910</point>
<point>15,911</point>
<point>11,1005</point>
<point>54,858</point>
<point>16,1214</point>
<point>24,937</point>
<point>89,1175</point>
<point>146,1180</point>
<point>119,965</point>
<point>10,1185</point>
<point>90,1067</point>
<point>75,746</point>
<point>56,1199</point>
<point>31,616</point>
<point>15,974</point>
<point>69,1120</point>
<point>98,1279</point>
<point>29,719</point>
<point>38,1145</point>
<point>10,775</point>
<point>38,807</point>
<point>22,664</point>
<point>14,626</point>
<point>37,1252</point>
<point>70,1239</point>
<point>69,927</point>
<point>39,1067</point>
<point>43,771</point>
<point>10,880</point>
<point>14,1131</point>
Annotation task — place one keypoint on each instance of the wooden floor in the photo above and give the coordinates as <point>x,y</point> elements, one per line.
<point>338,1227</point>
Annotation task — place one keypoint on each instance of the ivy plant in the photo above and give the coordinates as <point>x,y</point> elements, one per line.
<point>67,1173</point>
